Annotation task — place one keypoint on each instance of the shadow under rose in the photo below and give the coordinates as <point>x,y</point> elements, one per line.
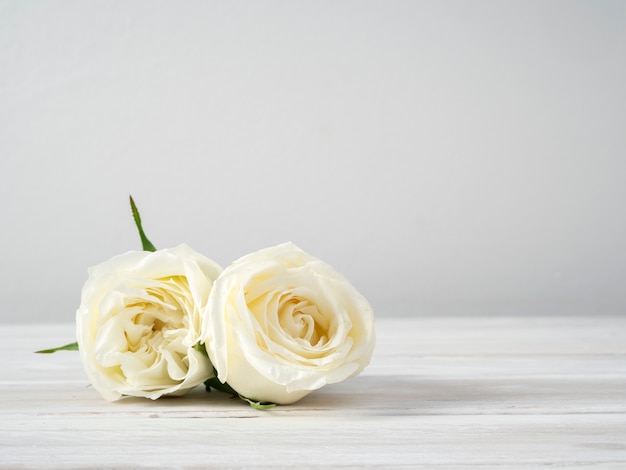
<point>385,395</point>
<point>398,395</point>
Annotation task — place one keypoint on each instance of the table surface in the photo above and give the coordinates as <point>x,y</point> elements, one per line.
<point>439,393</point>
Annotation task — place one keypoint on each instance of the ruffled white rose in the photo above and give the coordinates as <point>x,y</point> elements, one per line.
<point>139,319</point>
<point>280,323</point>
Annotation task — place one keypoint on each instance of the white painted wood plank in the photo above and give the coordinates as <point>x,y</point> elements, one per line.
<point>440,392</point>
<point>317,440</point>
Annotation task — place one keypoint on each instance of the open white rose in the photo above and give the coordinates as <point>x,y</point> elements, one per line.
<point>280,323</point>
<point>139,319</point>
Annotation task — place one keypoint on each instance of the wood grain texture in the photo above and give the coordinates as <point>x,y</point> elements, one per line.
<point>439,393</point>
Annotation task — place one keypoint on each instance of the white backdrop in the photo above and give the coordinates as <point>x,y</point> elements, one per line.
<point>449,157</point>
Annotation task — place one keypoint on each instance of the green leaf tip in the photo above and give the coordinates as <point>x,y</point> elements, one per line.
<point>145,243</point>
<point>67,347</point>
<point>257,405</point>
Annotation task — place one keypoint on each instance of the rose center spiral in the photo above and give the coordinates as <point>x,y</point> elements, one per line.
<point>302,320</point>
<point>156,320</point>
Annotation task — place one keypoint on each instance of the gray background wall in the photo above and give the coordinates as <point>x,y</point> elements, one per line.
<point>449,157</point>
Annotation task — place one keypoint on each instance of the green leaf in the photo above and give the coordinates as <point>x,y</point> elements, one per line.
<point>67,347</point>
<point>145,243</point>
<point>215,383</point>
<point>257,405</point>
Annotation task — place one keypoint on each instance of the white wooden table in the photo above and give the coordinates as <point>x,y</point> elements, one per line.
<point>439,393</point>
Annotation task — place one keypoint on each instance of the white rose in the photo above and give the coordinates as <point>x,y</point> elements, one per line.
<point>139,319</point>
<point>280,323</point>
